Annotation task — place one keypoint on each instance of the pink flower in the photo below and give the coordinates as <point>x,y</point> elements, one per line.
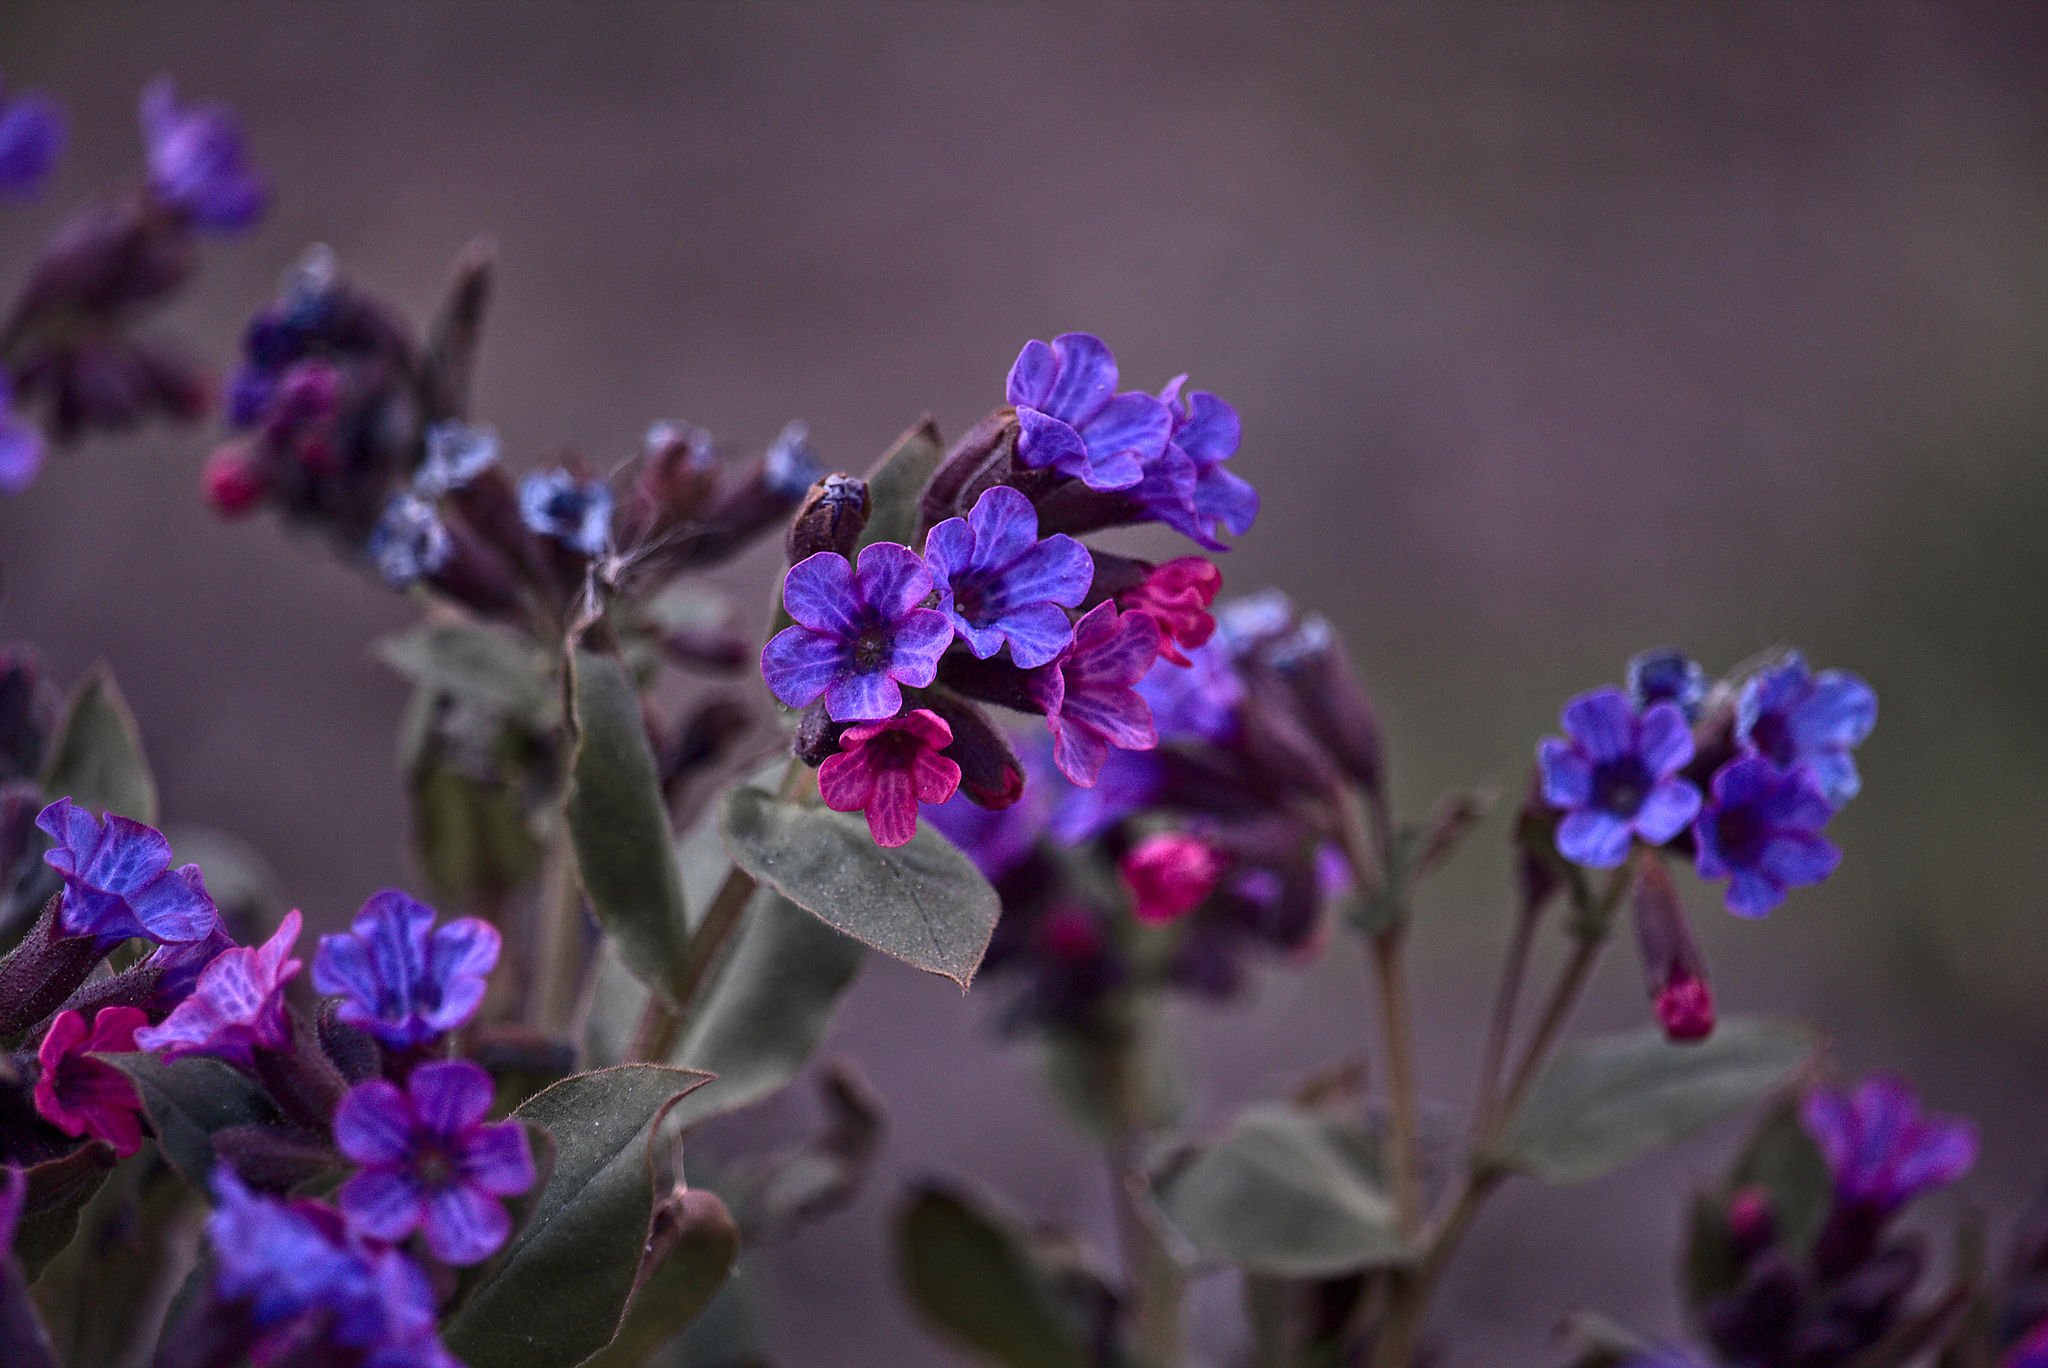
<point>1170,875</point>
<point>1088,694</point>
<point>887,769</point>
<point>1177,596</point>
<point>80,1095</point>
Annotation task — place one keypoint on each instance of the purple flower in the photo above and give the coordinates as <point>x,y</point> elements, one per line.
<point>456,454</point>
<point>197,163</point>
<point>118,880</point>
<point>401,979</point>
<point>2031,1351</point>
<point>409,541</point>
<point>1760,829</point>
<point>179,966</point>
<point>1615,777</point>
<point>1071,418</point>
<point>236,1007</point>
<point>996,839</point>
<point>429,1162</point>
<point>21,444</point>
<point>576,513</point>
<point>1088,694</point>
<point>1881,1148</point>
<point>31,140</point>
<point>1206,432</point>
<point>998,582</point>
<point>1197,701</point>
<point>1668,675</point>
<point>1798,718</point>
<point>859,633</point>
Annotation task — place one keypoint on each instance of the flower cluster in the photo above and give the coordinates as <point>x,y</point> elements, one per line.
<point>894,650</point>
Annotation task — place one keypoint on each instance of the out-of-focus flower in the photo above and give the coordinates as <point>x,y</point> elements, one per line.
<point>860,634</point>
<point>1198,700</point>
<point>575,512</point>
<point>790,466</point>
<point>399,977</point>
<point>1177,596</point>
<point>21,444</point>
<point>429,1162</point>
<point>1169,875</point>
<point>2031,1351</point>
<point>887,769</point>
<point>1615,777</point>
<point>118,880</point>
<point>1668,675</point>
<point>1072,419</point>
<point>999,583</point>
<point>197,161</point>
<point>999,839</point>
<point>237,1005</point>
<point>1760,830</point>
<point>409,542</point>
<point>1089,694</point>
<point>1798,718</point>
<point>31,140</point>
<point>234,480</point>
<point>81,1095</point>
<point>1881,1148</point>
<point>456,454</point>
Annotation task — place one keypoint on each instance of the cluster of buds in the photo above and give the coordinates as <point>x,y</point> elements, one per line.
<point>359,1084</point>
<point>71,361</point>
<point>1742,775</point>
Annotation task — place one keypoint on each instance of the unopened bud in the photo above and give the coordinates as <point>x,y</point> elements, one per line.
<point>234,479</point>
<point>817,735</point>
<point>1674,969</point>
<point>1169,875</point>
<point>679,472</point>
<point>1751,1227</point>
<point>977,461</point>
<point>834,514</point>
<point>989,773</point>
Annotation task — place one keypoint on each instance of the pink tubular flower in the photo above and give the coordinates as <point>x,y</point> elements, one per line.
<point>1089,694</point>
<point>1170,875</point>
<point>236,1007</point>
<point>1177,596</point>
<point>80,1095</point>
<point>887,769</point>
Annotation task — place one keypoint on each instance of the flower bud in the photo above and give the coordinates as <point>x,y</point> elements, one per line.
<point>989,772</point>
<point>834,514</point>
<point>678,473</point>
<point>28,712</point>
<point>1673,967</point>
<point>1177,596</point>
<point>977,462</point>
<point>235,479</point>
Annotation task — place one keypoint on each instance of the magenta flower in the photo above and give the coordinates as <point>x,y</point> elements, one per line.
<point>1071,418</point>
<point>1616,777</point>
<point>887,769</point>
<point>1881,1148</point>
<point>1799,718</point>
<point>1170,875</point>
<point>999,583</point>
<point>197,163</point>
<point>31,140</point>
<point>118,880</point>
<point>2031,1351</point>
<point>859,634</point>
<point>1760,830</point>
<point>1177,596</point>
<point>400,978</point>
<point>236,1007</point>
<point>429,1162</point>
<point>81,1095</point>
<point>1089,694</point>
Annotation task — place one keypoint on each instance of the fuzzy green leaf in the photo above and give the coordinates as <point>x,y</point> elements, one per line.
<point>706,1241</point>
<point>896,486</point>
<point>189,1102</point>
<point>97,761</point>
<point>486,668</point>
<point>971,1273</point>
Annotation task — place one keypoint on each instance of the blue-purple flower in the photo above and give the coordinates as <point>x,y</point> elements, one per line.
<point>575,512</point>
<point>1668,675</point>
<point>996,839</point>
<point>1760,830</point>
<point>999,583</point>
<point>790,466</point>
<point>1196,701</point>
<point>1615,777</point>
<point>1205,433</point>
<point>409,542</point>
<point>237,1006</point>
<point>1071,418</point>
<point>21,444</point>
<point>456,454</point>
<point>118,880</point>
<point>197,162</point>
<point>429,1162</point>
<point>1090,697</point>
<point>860,634</point>
<point>1798,718</point>
<point>399,977</point>
<point>1881,1148</point>
<point>31,140</point>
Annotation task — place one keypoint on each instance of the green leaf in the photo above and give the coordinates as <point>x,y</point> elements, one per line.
<point>896,486</point>
<point>98,761</point>
<point>924,903</point>
<point>625,853</point>
<point>486,668</point>
<point>190,1101</point>
<point>109,1289</point>
<point>58,1189</point>
<point>1286,1192</point>
<point>702,1243</point>
<point>1781,1160</point>
<point>1086,1082</point>
<point>471,837</point>
<point>971,1273</point>
<point>1607,1101</point>
<point>559,1292</point>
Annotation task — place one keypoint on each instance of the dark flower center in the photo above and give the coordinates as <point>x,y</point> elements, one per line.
<point>970,600</point>
<point>871,649</point>
<point>1773,736</point>
<point>433,1167</point>
<point>896,749</point>
<point>1741,834</point>
<point>1619,786</point>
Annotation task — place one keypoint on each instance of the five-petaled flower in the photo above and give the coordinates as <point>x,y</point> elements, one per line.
<point>399,977</point>
<point>575,512</point>
<point>429,1161</point>
<point>999,583</point>
<point>1071,418</point>
<point>237,1006</point>
<point>1760,830</point>
<point>1799,718</point>
<point>1205,433</point>
<point>1881,1148</point>
<point>887,769</point>
<point>860,634</point>
<point>1089,694</point>
<point>197,163</point>
<point>1169,875</point>
<point>1177,596</point>
<point>1615,777</point>
<point>118,880</point>
<point>81,1095</point>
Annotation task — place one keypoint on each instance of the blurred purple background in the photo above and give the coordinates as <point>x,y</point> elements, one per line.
<point>1557,331</point>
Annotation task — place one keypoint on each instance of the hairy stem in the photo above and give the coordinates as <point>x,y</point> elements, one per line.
<point>659,1028</point>
<point>1155,1281</point>
<point>558,965</point>
<point>1514,972</point>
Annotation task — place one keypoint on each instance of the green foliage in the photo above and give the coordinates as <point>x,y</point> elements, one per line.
<point>924,903</point>
<point>97,760</point>
<point>896,486</point>
<point>190,1102</point>
<point>559,1291</point>
<point>58,1189</point>
<point>971,1272</point>
<point>1608,1101</point>
<point>698,1241</point>
<point>1286,1192</point>
<point>1782,1161</point>
<point>487,669</point>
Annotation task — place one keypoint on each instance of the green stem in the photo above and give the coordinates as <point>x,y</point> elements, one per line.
<point>1156,1281</point>
<point>1403,1120</point>
<point>659,1028</point>
<point>558,965</point>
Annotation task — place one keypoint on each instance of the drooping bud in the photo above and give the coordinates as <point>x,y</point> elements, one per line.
<point>1673,967</point>
<point>1336,705</point>
<point>834,514</point>
<point>989,772</point>
<point>678,472</point>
